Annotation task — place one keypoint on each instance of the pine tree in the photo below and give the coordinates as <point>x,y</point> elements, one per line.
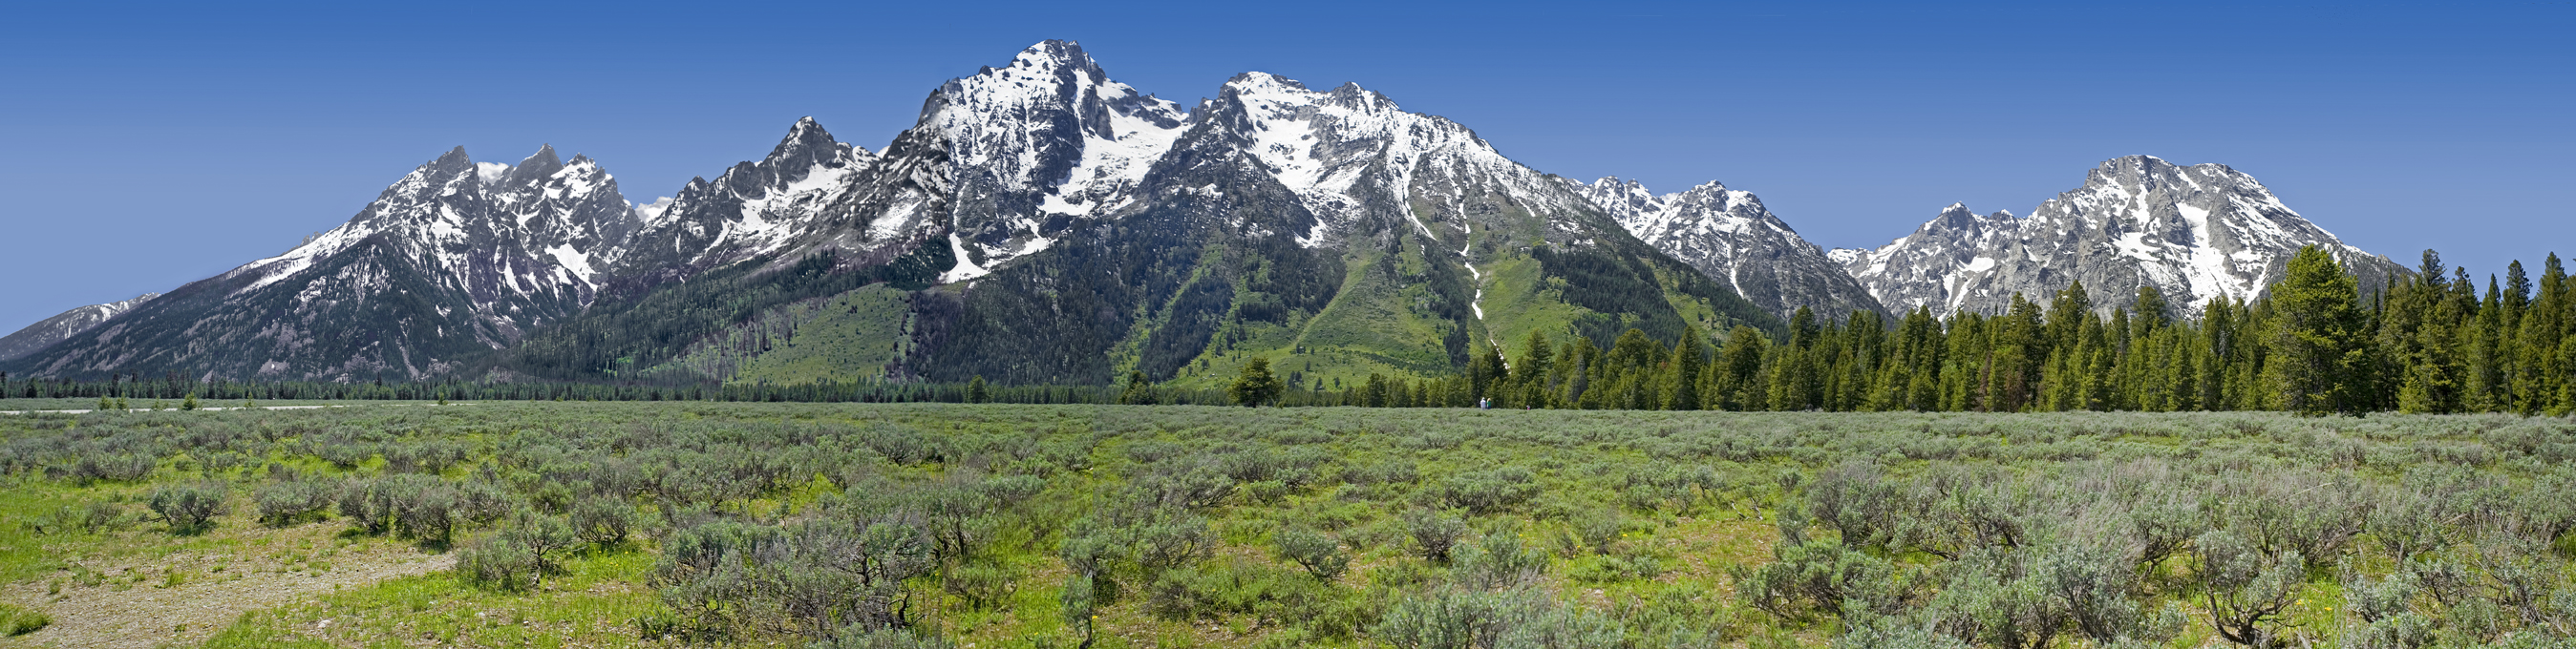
<point>1683,372</point>
<point>1962,360</point>
<point>190,403</point>
<point>1738,384</point>
<point>1139,390</point>
<point>2152,310</point>
<point>1486,371</point>
<point>2487,388</point>
<point>1577,364</point>
<point>1531,377</point>
<point>976,392</point>
<point>2324,363</point>
<point>1255,386</point>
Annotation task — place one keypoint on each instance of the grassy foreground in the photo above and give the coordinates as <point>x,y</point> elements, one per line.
<point>848,525</point>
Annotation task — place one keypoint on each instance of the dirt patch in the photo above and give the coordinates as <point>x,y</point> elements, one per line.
<point>184,598</point>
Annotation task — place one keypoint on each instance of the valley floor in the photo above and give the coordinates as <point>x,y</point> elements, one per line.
<point>671,523</point>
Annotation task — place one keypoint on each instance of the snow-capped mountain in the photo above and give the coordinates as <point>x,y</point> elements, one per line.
<point>65,325</point>
<point>1729,235</point>
<point>1088,230</point>
<point>453,259</point>
<point>997,163</point>
<point>756,208</point>
<point>2196,233</point>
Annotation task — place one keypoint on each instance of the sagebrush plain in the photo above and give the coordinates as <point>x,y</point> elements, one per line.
<point>895,525</point>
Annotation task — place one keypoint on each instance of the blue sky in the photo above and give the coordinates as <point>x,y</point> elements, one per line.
<point>142,146</point>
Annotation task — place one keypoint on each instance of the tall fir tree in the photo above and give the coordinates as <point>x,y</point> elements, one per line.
<point>1682,372</point>
<point>2324,362</point>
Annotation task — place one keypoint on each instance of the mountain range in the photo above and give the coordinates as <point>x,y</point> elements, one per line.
<point>1043,223</point>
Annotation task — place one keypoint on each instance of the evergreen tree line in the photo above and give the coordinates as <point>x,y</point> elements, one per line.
<point>134,392</point>
<point>2313,345</point>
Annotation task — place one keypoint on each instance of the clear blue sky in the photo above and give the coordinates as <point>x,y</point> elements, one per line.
<point>143,147</point>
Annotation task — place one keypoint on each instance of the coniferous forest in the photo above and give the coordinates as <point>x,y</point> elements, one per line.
<point>2432,343</point>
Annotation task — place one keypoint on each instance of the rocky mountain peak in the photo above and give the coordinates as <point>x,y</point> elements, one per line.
<point>2196,233</point>
<point>808,145</point>
<point>65,325</point>
<point>454,158</point>
<point>536,168</point>
<point>1626,200</point>
<point>1052,56</point>
<point>1729,236</point>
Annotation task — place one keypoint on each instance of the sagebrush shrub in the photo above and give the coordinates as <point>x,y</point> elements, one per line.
<point>189,508</point>
<point>602,522</point>
<point>1320,554</point>
<point>282,503</point>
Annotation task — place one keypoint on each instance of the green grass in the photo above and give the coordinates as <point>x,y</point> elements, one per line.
<point>854,334</point>
<point>17,621</point>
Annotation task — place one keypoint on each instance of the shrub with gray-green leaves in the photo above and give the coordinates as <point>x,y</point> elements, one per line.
<point>1522,618</point>
<point>811,578</point>
<point>189,508</point>
<point>1500,559</point>
<point>866,638</point>
<point>518,556</point>
<point>2248,592</point>
<point>603,522</point>
<point>284,503</point>
<point>1433,535</point>
<point>1487,492</point>
<point>1319,553</point>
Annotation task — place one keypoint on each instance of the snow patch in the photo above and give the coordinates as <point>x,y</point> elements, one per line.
<point>965,268</point>
<point>650,213</point>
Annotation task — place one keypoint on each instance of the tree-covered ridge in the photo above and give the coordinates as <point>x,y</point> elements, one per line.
<point>2430,344</point>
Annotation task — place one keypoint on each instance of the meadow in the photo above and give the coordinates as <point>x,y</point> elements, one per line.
<point>576,524</point>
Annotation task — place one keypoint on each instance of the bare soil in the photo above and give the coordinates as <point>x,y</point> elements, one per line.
<point>185,597</point>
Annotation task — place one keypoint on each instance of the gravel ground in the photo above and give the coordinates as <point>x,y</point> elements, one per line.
<point>137,609</point>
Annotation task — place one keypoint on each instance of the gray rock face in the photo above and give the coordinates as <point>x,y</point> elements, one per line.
<point>2195,233</point>
<point>452,260</point>
<point>1730,236</point>
<point>755,208</point>
<point>998,163</point>
<point>64,325</point>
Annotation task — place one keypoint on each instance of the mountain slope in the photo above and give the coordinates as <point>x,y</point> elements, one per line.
<point>64,325</point>
<point>1332,232</point>
<point>1081,231</point>
<point>1729,235</point>
<point>2195,233</point>
<point>451,261</point>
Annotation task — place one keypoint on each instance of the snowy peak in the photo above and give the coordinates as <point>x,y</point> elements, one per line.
<point>531,229</point>
<point>807,146</point>
<point>1625,200</point>
<point>1728,235</point>
<point>1028,146</point>
<point>756,208</point>
<point>536,168</point>
<point>1337,150</point>
<point>65,325</point>
<point>2196,233</point>
<point>454,259</point>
